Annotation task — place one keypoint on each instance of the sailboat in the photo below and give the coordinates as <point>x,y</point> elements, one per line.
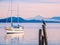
<point>15,28</point>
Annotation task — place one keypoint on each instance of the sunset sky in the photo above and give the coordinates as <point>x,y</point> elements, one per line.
<point>30,8</point>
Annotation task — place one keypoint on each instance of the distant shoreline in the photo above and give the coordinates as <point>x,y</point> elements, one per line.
<point>22,20</point>
<point>30,22</point>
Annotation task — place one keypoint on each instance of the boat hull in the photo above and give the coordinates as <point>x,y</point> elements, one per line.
<point>14,30</point>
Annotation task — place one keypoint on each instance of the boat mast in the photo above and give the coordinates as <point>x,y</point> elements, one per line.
<point>11,12</point>
<point>8,12</point>
<point>18,12</point>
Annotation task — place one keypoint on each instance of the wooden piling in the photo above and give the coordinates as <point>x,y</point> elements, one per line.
<point>43,40</point>
<point>40,37</point>
<point>44,33</point>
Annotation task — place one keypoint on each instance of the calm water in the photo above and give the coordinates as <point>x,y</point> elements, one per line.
<point>30,36</point>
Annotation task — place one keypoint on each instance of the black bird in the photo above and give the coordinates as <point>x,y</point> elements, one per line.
<point>43,22</point>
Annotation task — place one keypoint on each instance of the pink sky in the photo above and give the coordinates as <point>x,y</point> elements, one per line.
<point>27,10</point>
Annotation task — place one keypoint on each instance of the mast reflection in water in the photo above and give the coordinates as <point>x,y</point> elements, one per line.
<point>14,39</point>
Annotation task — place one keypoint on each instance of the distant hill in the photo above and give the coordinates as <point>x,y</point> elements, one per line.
<point>15,20</point>
<point>53,19</point>
<point>37,19</point>
<point>56,18</point>
<point>48,20</point>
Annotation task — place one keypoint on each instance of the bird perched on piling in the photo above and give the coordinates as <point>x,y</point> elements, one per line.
<point>43,22</point>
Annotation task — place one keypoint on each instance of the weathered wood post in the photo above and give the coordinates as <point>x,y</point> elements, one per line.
<point>43,40</point>
<point>40,37</point>
<point>44,32</point>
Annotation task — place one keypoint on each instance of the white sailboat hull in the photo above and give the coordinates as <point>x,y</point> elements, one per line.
<point>14,30</point>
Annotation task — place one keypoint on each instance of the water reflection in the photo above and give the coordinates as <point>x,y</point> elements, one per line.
<point>30,36</point>
<point>14,39</point>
